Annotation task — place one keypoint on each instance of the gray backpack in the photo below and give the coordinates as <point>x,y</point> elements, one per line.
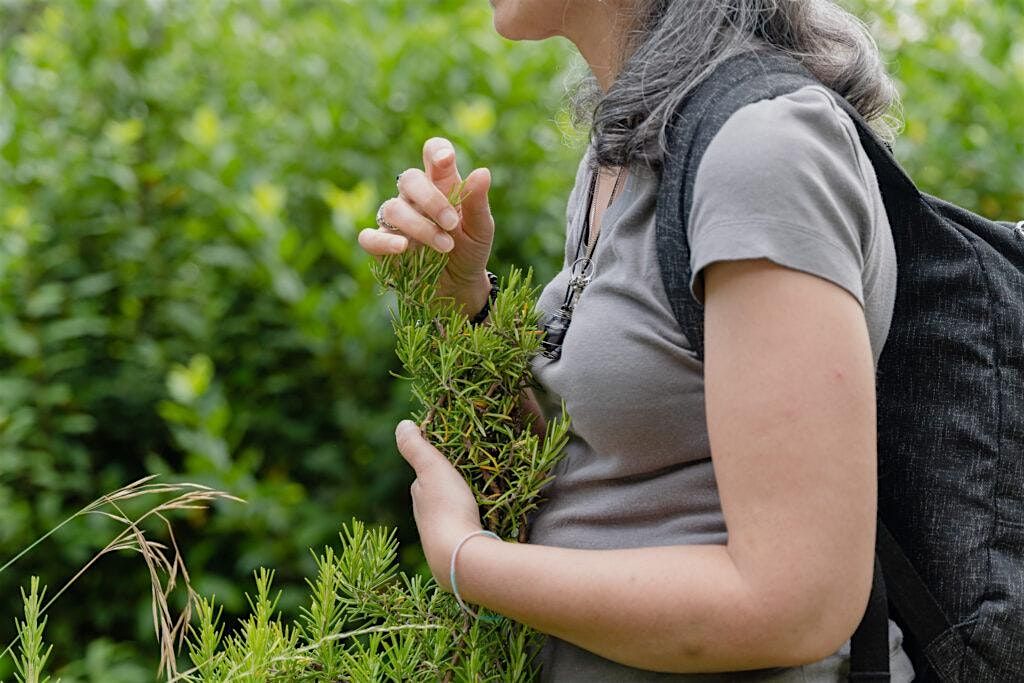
<point>950,386</point>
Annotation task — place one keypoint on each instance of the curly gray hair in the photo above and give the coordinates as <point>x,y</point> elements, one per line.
<point>674,44</point>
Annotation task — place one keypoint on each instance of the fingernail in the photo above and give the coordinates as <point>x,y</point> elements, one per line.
<point>404,426</point>
<point>449,219</point>
<point>444,242</point>
<point>442,156</point>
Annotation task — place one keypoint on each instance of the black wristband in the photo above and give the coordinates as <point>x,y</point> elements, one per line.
<point>486,310</point>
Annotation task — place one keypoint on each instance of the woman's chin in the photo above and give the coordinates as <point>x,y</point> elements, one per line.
<point>513,20</point>
<point>513,30</point>
<point>502,25</point>
<point>504,30</point>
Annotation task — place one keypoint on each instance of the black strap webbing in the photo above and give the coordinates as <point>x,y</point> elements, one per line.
<point>917,607</point>
<point>869,646</point>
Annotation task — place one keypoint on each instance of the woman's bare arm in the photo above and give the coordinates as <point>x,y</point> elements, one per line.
<point>789,382</point>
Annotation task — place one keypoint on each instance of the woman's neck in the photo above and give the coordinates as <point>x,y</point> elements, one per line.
<point>599,42</point>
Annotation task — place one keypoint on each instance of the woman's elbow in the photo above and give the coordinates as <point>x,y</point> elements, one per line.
<point>824,625</point>
<point>778,628</point>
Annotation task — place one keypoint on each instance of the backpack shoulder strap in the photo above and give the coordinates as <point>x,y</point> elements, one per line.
<point>741,80</point>
<point>737,82</point>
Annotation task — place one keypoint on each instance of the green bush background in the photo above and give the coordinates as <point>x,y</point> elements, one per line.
<point>181,184</point>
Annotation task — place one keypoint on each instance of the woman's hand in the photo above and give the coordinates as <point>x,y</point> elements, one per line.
<point>442,503</point>
<point>422,215</point>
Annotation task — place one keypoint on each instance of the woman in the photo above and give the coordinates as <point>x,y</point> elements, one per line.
<point>629,568</point>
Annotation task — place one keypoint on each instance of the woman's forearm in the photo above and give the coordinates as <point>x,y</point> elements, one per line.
<point>673,608</point>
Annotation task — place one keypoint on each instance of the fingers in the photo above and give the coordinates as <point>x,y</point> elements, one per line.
<point>414,225</point>
<point>416,450</point>
<point>440,165</point>
<point>422,214</point>
<point>416,188</point>
<point>477,223</point>
<point>379,242</point>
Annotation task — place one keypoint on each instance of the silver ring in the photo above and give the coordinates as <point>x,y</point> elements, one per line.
<point>383,224</point>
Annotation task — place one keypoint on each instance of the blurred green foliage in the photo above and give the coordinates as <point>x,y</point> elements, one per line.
<point>959,65</point>
<point>181,184</point>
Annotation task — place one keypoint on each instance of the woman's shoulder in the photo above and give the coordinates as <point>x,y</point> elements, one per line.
<point>803,117</point>
<point>803,139</point>
<point>787,179</point>
<point>794,160</point>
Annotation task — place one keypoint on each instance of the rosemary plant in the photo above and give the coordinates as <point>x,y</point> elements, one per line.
<point>32,652</point>
<point>365,620</point>
<point>469,382</point>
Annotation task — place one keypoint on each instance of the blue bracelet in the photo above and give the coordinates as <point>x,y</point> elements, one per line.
<point>455,588</point>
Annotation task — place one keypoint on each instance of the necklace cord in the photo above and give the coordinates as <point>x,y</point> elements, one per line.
<point>572,292</point>
<point>555,326</point>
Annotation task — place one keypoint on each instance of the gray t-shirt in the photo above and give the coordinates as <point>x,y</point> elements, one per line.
<point>785,179</point>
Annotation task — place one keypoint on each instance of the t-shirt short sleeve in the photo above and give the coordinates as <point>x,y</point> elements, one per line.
<point>786,179</point>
